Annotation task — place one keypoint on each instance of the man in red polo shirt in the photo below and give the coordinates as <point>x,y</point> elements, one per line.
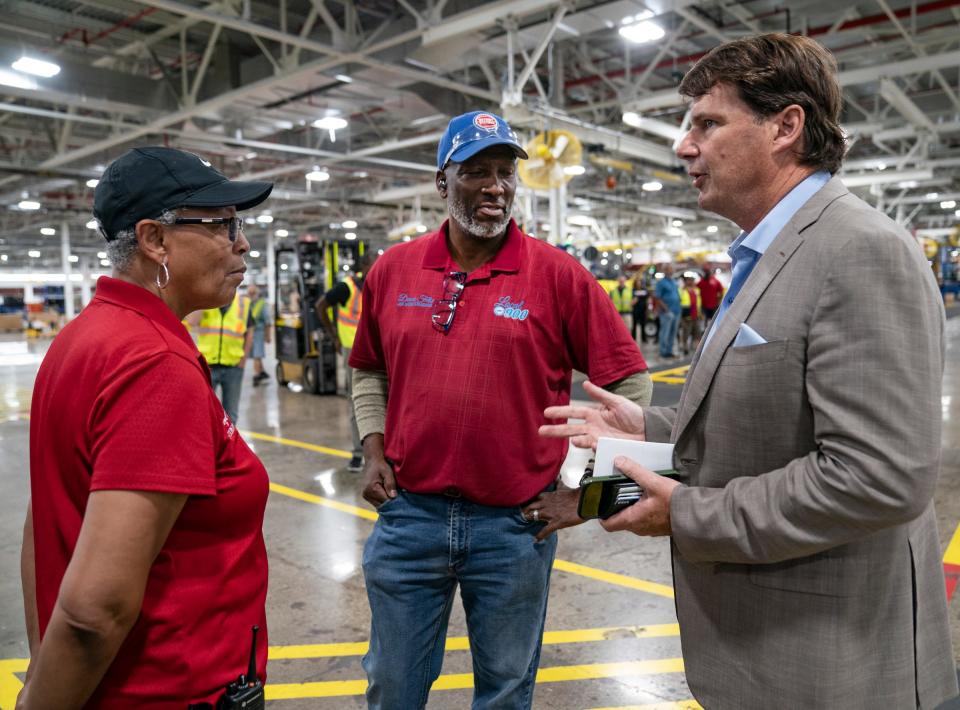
<point>476,329</point>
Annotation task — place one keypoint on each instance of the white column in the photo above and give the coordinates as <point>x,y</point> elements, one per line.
<point>271,271</point>
<point>85,281</point>
<point>68,310</point>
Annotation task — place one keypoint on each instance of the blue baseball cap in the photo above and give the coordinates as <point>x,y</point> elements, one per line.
<point>469,133</point>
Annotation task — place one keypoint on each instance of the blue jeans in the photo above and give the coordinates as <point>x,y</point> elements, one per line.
<point>230,380</point>
<point>668,332</point>
<point>421,548</point>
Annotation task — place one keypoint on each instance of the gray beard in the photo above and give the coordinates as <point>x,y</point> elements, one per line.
<point>481,230</point>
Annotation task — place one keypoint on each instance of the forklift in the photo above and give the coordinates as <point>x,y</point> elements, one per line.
<point>304,272</point>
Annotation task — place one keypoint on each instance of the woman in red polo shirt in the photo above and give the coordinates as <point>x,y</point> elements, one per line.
<point>144,568</point>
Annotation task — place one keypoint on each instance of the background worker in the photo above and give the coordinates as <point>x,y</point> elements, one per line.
<point>622,296</point>
<point>465,334</point>
<point>668,312</point>
<point>224,338</point>
<point>640,303</point>
<point>262,331</point>
<point>347,297</point>
<point>689,331</point>
<point>711,291</point>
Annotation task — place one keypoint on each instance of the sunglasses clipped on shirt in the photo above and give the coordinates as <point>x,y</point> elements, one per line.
<point>446,307</point>
<point>235,224</point>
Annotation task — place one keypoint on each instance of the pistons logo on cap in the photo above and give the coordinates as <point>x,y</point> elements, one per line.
<point>485,121</point>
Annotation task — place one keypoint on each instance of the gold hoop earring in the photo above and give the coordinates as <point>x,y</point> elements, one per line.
<point>162,268</point>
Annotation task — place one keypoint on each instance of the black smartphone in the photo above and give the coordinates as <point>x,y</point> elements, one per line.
<point>603,496</point>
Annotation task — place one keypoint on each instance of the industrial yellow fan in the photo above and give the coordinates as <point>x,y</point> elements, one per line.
<point>551,152</point>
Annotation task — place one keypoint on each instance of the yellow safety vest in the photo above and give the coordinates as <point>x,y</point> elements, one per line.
<point>622,299</point>
<point>220,336</point>
<point>684,297</point>
<point>258,309</point>
<point>348,315</point>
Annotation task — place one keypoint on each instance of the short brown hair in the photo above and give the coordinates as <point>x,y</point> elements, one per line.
<point>773,71</point>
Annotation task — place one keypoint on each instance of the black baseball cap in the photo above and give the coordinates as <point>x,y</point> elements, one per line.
<point>144,182</point>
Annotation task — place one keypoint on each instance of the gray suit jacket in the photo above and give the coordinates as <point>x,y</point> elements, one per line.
<point>806,560</point>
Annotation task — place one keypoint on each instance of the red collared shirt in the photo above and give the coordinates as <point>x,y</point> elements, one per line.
<point>123,401</point>
<point>464,406</point>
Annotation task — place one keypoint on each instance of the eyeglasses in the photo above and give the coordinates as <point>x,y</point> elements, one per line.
<point>453,284</point>
<point>233,230</point>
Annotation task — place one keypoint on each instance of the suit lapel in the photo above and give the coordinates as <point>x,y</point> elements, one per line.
<point>707,359</point>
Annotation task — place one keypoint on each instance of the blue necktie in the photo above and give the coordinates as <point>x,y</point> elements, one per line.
<point>744,259</point>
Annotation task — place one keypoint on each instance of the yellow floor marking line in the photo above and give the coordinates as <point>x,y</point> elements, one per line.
<point>690,704</point>
<point>461,643</point>
<point>10,685</point>
<point>673,376</point>
<point>460,681</point>
<point>562,565</point>
<point>298,444</point>
<point>320,500</point>
<point>952,555</point>
<point>622,580</point>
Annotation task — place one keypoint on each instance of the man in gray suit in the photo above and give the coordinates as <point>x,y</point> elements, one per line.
<point>805,551</point>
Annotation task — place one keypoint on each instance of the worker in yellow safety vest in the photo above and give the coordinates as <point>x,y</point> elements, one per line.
<point>224,338</point>
<point>347,298</point>
<point>622,296</point>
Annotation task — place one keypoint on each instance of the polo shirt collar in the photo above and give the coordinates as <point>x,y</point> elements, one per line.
<point>139,299</point>
<point>507,258</point>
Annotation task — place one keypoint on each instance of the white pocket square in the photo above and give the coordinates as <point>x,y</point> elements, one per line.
<point>747,336</point>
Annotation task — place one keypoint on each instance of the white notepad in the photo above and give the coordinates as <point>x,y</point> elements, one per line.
<point>653,455</point>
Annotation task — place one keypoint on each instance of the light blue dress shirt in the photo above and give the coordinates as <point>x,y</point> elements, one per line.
<point>747,249</point>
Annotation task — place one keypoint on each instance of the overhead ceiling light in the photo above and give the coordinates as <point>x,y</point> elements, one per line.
<point>33,254</point>
<point>265,218</point>
<point>47,231</point>
<point>104,262</point>
<point>250,220</point>
<point>712,229</point>
<point>18,81</point>
<point>881,166</point>
<point>932,195</point>
<point>957,213</point>
<point>3,257</point>
<point>948,204</point>
<point>638,29</point>
<point>907,184</point>
<point>37,67</point>
<point>283,267</point>
<point>73,258</point>
<point>282,233</point>
<point>406,237</point>
<point>92,182</point>
<point>677,223</point>
<point>101,255</point>
<point>574,170</point>
<point>318,175</point>
<point>331,124</point>
<point>603,262</point>
<point>349,224</point>
<point>251,155</point>
<point>421,228</point>
<point>350,235</point>
<point>254,254</point>
<point>652,186</point>
<point>580,220</point>
<point>92,224</point>
<point>29,205</point>
<point>344,78</point>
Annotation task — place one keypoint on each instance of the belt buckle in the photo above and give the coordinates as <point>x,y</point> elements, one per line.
<point>452,492</point>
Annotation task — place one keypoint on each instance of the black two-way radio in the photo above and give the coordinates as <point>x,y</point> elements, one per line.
<point>246,692</point>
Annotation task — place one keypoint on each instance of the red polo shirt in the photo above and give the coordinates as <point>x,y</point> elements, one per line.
<point>123,401</point>
<point>464,406</point>
<point>710,291</point>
